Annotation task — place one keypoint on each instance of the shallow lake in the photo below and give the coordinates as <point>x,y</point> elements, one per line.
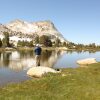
<point>14,65</point>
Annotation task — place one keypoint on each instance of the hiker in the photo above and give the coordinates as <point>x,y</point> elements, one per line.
<point>38,51</point>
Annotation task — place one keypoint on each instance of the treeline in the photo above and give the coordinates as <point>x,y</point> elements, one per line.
<point>82,46</point>
<point>45,41</point>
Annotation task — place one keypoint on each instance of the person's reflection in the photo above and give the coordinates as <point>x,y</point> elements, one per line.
<point>6,61</point>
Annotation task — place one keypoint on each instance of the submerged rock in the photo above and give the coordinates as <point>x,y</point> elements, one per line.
<point>40,71</point>
<point>87,61</point>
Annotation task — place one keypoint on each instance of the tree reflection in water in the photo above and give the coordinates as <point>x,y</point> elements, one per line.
<point>6,59</point>
<point>19,60</point>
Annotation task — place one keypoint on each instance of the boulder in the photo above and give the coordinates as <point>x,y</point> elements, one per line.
<point>87,61</point>
<point>40,71</point>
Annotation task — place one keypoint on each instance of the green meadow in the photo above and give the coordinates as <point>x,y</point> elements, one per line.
<point>81,83</point>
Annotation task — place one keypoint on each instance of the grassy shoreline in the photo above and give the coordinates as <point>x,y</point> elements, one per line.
<point>70,84</point>
<point>46,48</point>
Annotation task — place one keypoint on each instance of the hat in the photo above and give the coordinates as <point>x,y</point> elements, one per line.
<point>37,45</point>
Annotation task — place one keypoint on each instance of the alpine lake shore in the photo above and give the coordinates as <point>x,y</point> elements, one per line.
<point>82,83</point>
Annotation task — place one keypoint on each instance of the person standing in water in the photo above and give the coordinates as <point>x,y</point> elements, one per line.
<point>38,51</point>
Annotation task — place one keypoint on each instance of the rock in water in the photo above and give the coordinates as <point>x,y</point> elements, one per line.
<point>40,71</point>
<point>87,61</point>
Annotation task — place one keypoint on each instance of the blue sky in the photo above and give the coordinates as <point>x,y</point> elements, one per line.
<point>77,20</point>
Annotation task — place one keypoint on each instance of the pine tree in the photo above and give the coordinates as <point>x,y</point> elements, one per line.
<point>31,44</point>
<point>57,42</point>
<point>0,43</point>
<point>6,40</point>
<point>45,40</point>
<point>36,40</point>
<point>64,44</point>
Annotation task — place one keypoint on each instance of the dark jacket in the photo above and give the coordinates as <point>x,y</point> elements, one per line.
<point>38,50</point>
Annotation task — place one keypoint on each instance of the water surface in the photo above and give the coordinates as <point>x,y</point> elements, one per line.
<point>14,65</point>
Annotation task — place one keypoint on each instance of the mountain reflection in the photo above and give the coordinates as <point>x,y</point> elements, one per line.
<point>20,60</point>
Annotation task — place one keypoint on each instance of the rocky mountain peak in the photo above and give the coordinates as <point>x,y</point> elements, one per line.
<point>31,29</point>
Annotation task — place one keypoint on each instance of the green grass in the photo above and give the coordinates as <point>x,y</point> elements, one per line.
<point>71,84</point>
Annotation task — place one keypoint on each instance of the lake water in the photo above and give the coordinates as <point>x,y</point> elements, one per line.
<point>14,65</point>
